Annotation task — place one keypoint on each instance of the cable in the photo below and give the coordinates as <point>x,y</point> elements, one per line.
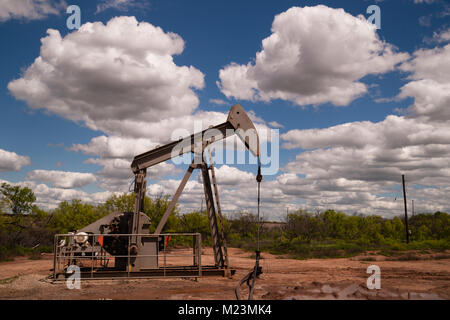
<point>259,179</point>
<point>129,187</point>
<point>257,269</point>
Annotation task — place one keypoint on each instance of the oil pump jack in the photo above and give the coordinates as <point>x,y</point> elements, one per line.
<point>124,236</point>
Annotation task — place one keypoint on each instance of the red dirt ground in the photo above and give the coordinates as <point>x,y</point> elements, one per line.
<point>426,278</point>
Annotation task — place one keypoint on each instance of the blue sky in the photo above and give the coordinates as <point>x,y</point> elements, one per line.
<point>216,34</point>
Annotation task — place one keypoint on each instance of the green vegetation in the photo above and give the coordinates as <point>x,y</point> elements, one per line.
<point>9,280</point>
<point>333,234</point>
<point>26,229</point>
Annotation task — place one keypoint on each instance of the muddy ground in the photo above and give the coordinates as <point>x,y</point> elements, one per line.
<point>426,276</point>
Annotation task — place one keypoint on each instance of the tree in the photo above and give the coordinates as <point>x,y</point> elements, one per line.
<point>300,224</point>
<point>351,227</point>
<point>155,208</point>
<point>16,203</point>
<point>246,225</point>
<point>195,222</point>
<point>19,200</point>
<point>74,215</point>
<point>334,224</point>
<point>120,203</point>
<point>3,205</point>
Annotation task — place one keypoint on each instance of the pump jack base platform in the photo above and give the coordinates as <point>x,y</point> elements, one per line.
<point>87,273</point>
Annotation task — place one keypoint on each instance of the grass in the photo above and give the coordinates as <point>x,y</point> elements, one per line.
<point>412,256</point>
<point>253,256</point>
<point>396,251</point>
<point>368,259</point>
<point>441,257</point>
<point>344,249</point>
<point>8,280</point>
<point>8,253</point>
<point>407,257</point>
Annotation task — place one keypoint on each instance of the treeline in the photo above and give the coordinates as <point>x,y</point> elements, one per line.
<point>305,226</point>
<point>25,228</point>
<point>335,234</point>
<point>24,225</point>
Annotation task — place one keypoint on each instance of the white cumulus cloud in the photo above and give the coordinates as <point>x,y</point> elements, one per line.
<point>232,176</point>
<point>50,197</point>
<point>119,78</point>
<point>120,5</point>
<point>29,9</point>
<point>314,55</point>
<point>105,75</point>
<point>62,179</point>
<point>11,161</point>
<point>430,86</point>
<point>357,166</point>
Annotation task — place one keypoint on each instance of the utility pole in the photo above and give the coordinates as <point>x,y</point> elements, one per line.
<point>412,208</point>
<point>406,210</point>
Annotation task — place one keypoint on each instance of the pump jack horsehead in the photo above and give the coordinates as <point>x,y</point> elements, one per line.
<point>123,237</point>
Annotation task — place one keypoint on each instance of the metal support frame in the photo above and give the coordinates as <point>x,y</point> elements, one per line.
<point>219,209</point>
<point>97,267</point>
<point>140,185</point>
<point>213,227</point>
<point>175,198</point>
<point>217,238</point>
